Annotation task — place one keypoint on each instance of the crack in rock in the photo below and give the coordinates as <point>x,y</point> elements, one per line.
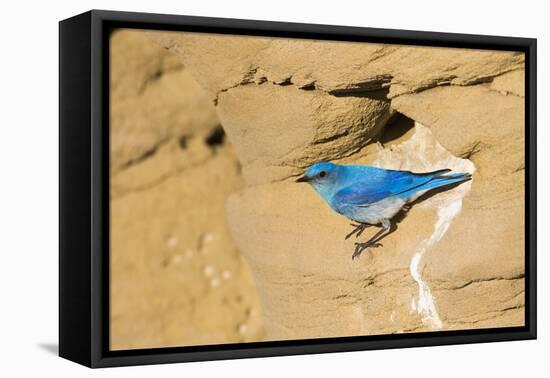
<point>458,286</point>
<point>147,154</point>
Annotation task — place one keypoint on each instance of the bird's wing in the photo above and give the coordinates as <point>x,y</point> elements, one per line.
<point>368,189</point>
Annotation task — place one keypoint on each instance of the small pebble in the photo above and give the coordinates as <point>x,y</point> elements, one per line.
<point>172,242</point>
<point>208,270</point>
<point>226,274</point>
<point>242,328</point>
<point>177,259</point>
<point>215,282</point>
<point>208,237</point>
<point>189,253</point>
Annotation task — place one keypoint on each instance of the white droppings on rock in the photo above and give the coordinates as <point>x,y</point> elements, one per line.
<point>413,305</point>
<point>425,305</point>
<point>422,153</point>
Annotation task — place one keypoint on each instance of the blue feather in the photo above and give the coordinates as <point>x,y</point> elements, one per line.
<point>438,182</point>
<point>367,185</point>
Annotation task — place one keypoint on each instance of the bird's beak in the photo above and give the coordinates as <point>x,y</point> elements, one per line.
<point>303,179</point>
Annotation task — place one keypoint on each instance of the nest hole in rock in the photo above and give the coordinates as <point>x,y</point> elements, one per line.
<point>216,138</point>
<point>398,128</point>
<point>408,145</point>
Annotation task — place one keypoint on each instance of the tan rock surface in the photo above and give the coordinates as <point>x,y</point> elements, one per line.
<point>336,67</point>
<point>177,277</point>
<point>288,103</point>
<point>490,265</point>
<point>153,99</point>
<point>512,82</point>
<point>328,127</point>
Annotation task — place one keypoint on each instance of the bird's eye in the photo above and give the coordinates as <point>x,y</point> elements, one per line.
<point>322,174</point>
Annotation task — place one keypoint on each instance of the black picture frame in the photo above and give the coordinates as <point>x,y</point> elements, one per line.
<point>84,188</point>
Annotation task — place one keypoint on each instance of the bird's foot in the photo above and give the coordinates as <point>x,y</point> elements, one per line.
<point>358,230</point>
<point>360,247</point>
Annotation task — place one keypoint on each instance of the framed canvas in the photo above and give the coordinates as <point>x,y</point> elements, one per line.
<point>234,188</point>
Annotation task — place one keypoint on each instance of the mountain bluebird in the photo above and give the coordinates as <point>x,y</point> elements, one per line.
<point>373,196</point>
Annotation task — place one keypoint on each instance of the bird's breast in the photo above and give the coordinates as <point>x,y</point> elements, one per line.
<point>373,213</point>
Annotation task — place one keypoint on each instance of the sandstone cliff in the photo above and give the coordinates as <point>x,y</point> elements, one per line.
<point>456,260</point>
<point>177,277</point>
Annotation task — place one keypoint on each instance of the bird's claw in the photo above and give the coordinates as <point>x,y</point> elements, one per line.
<point>358,230</point>
<point>360,247</point>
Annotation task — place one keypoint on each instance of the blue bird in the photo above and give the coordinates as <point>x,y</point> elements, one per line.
<point>373,196</point>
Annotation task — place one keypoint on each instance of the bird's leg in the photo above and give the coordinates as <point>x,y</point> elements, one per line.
<point>372,242</point>
<point>359,228</point>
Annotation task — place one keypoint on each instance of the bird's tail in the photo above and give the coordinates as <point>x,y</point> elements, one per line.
<point>438,181</point>
<point>444,180</point>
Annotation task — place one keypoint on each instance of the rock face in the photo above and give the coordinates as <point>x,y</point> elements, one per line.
<point>153,100</point>
<point>456,260</point>
<point>173,260</point>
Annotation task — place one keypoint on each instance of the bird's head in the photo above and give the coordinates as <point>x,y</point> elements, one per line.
<point>322,176</point>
